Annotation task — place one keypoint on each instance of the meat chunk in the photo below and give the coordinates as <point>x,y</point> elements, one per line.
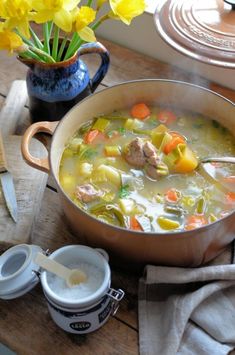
<point>149,149</point>
<point>157,171</point>
<point>87,193</point>
<point>134,153</point>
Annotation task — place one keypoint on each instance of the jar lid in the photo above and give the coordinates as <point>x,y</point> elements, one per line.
<point>203,30</point>
<point>18,270</point>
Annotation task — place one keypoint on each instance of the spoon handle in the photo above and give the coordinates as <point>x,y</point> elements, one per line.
<point>219,160</point>
<point>52,266</point>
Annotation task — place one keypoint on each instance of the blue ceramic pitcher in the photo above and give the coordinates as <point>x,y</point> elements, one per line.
<point>55,88</point>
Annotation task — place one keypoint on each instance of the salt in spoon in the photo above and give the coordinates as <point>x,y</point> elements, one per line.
<point>71,276</point>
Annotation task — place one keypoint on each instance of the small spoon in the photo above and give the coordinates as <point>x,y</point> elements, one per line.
<point>71,276</point>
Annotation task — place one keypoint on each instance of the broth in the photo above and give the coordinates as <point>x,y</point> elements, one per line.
<point>138,169</point>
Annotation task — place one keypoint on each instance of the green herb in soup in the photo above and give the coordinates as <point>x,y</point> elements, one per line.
<point>138,169</point>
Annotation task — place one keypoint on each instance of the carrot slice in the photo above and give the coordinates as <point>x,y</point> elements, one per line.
<point>134,224</point>
<point>93,135</point>
<point>172,195</point>
<point>195,221</point>
<point>140,111</point>
<point>176,139</point>
<point>230,197</point>
<point>166,117</point>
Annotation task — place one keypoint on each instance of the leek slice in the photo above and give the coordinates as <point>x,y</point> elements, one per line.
<point>111,213</point>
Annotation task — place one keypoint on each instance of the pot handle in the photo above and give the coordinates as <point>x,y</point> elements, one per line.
<point>98,48</point>
<point>46,127</point>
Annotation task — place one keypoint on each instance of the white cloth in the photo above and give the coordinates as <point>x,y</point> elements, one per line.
<point>187,311</point>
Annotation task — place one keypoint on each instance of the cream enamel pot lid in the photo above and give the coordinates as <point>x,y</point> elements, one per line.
<point>203,30</point>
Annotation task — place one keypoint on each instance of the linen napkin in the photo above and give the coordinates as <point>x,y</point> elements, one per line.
<point>187,311</point>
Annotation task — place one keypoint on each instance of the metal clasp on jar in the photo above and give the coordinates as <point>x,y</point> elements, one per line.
<point>116,296</point>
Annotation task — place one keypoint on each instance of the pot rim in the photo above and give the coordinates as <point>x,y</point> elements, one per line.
<point>164,235</point>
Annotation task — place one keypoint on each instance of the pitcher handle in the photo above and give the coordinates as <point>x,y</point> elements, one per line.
<point>96,47</point>
<point>46,127</point>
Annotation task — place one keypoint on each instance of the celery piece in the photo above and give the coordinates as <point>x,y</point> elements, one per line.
<point>112,150</point>
<point>167,224</point>
<point>212,218</point>
<point>147,132</point>
<point>129,124</point>
<point>133,123</point>
<point>177,210</point>
<point>75,144</point>
<point>171,158</point>
<point>101,124</point>
<point>201,205</point>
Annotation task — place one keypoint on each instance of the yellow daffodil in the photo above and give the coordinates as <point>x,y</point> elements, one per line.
<point>58,11</point>
<point>126,10</point>
<point>16,13</point>
<point>10,41</point>
<point>82,18</point>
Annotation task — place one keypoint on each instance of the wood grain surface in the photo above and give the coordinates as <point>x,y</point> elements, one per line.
<point>26,326</point>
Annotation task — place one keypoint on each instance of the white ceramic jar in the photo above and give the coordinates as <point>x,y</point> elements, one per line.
<point>79,315</point>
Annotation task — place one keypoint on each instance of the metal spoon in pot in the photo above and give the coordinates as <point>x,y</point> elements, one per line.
<point>71,276</point>
<point>208,172</point>
<point>230,160</point>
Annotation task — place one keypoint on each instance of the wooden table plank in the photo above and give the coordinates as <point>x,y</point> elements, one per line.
<point>27,328</point>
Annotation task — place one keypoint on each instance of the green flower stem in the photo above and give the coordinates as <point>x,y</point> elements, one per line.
<point>47,58</point>
<point>100,21</point>
<point>61,50</point>
<point>89,2</point>
<point>55,42</point>
<point>46,36</point>
<point>29,54</point>
<point>36,40</point>
<point>24,39</point>
<point>74,39</point>
<point>74,48</point>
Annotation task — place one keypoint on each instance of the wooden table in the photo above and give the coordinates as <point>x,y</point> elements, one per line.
<point>26,326</point>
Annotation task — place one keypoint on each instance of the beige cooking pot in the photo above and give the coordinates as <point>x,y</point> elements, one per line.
<point>188,248</point>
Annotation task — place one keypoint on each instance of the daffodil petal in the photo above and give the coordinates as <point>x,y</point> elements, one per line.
<point>84,17</point>
<point>87,34</point>
<point>63,19</point>
<point>127,10</point>
<point>69,5</point>
<point>9,40</point>
<point>23,27</point>
<point>43,16</point>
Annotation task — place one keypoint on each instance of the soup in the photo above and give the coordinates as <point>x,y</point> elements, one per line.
<point>138,169</point>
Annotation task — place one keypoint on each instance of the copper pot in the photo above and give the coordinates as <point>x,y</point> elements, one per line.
<point>187,248</point>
